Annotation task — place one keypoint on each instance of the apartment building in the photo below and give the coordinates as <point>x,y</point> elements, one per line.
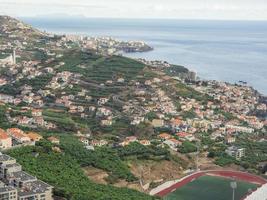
<point>235,152</point>
<point>19,185</point>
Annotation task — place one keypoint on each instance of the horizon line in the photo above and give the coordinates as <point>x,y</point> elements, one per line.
<point>131,18</point>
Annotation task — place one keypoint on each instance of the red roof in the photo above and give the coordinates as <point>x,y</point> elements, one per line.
<point>182,134</point>
<point>17,133</point>
<point>164,135</point>
<point>177,121</point>
<point>3,135</point>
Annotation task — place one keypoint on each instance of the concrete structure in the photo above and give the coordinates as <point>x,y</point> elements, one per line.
<point>14,57</point>
<point>16,184</point>
<point>259,194</point>
<point>11,59</point>
<point>7,192</point>
<point>235,152</point>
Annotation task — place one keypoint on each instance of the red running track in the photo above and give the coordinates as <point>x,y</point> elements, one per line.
<point>242,176</point>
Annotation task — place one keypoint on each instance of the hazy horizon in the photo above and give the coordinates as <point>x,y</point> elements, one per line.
<point>149,9</point>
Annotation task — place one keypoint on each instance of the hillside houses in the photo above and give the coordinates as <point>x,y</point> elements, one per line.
<point>14,137</point>
<point>18,135</point>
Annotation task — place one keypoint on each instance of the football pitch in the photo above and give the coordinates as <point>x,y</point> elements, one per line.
<point>210,188</point>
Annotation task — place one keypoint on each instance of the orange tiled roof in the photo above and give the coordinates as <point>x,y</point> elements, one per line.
<point>177,121</point>
<point>176,141</point>
<point>164,135</point>
<point>3,135</point>
<point>182,134</point>
<point>52,138</point>
<point>17,133</point>
<point>34,136</point>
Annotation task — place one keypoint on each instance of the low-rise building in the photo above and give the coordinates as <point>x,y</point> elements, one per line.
<point>18,135</point>
<point>35,137</point>
<point>145,142</point>
<point>164,136</point>
<point>235,152</point>
<point>229,139</point>
<point>157,123</point>
<point>99,143</point>
<point>5,140</point>
<point>173,143</point>
<point>54,140</point>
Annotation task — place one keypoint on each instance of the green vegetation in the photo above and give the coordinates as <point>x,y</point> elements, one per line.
<point>187,147</point>
<point>36,84</point>
<point>227,115</point>
<point>143,152</point>
<point>65,174</point>
<point>151,115</point>
<point>188,92</point>
<point>176,70</point>
<point>103,158</point>
<point>95,68</point>
<point>4,124</point>
<point>189,114</point>
<point>255,152</point>
<point>207,187</point>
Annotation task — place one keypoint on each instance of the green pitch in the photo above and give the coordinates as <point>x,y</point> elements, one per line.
<point>210,188</point>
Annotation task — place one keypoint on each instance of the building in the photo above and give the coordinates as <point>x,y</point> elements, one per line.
<point>84,140</point>
<point>18,135</point>
<point>164,136</point>
<point>11,59</point>
<point>36,113</point>
<point>235,152</point>
<point>173,143</point>
<point>229,139</point>
<point>145,142</point>
<point>34,136</point>
<point>99,143</point>
<point>7,192</point>
<point>131,139</point>
<point>16,184</point>
<point>54,140</point>
<point>5,140</point>
<point>185,136</point>
<point>157,123</point>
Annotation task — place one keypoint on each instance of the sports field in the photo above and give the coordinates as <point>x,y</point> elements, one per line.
<point>210,188</point>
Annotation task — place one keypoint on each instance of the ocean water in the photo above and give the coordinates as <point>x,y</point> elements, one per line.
<point>218,50</point>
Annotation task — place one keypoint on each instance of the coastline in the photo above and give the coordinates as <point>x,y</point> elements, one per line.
<point>217,50</point>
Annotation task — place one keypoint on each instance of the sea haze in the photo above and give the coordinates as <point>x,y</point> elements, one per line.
<point>220,50</point>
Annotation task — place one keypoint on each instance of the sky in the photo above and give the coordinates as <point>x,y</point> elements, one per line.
<point>178,9</point>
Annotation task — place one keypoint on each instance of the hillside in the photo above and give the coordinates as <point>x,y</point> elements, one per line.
<point>116,115</point>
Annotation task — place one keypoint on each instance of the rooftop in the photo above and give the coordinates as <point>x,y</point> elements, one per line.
<point>34,187</point>
<point>4,157</point>
<point>23,176</point>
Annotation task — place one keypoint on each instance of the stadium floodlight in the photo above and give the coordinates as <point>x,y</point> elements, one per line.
<point>233,185</point>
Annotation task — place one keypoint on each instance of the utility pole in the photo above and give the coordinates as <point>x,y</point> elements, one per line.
<point>233,185</point>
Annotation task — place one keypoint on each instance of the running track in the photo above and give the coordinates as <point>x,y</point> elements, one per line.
<point>242,176</point>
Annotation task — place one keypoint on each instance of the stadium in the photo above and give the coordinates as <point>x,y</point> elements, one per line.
<point>217,184</point>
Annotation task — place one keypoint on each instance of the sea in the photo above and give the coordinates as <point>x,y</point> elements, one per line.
<point>229,51</point>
